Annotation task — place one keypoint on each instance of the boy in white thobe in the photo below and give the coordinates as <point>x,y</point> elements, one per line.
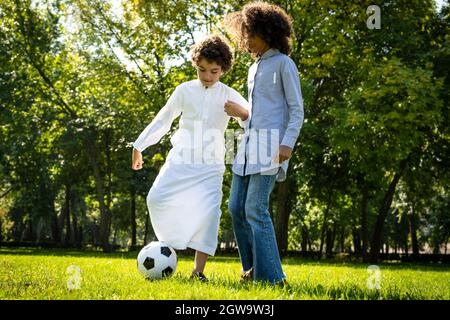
<point>184,200</point>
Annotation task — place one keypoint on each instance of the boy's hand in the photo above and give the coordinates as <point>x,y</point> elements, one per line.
<point>136,160</point>
<point>235,110</point>
<point>284,153</point>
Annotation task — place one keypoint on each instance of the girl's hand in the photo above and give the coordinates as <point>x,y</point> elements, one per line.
<point>235,110</point>
<point>136,160</point>
<point>284,153</point>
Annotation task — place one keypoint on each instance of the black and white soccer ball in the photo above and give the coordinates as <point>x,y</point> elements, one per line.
<point>157,260</point>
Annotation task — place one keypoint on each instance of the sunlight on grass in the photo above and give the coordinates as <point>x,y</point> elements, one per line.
<point>44,274</point>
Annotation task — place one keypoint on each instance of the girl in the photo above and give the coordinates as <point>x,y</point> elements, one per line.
<point>275,97</point>
<point>184,200</point>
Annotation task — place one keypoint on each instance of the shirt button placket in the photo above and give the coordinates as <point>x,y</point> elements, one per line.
<point>205,107</point>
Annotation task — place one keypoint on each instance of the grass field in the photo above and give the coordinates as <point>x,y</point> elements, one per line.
<point>44,274</point>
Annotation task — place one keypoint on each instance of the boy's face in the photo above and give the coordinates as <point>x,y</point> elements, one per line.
<point>208,72</point>
<point>256,44</point>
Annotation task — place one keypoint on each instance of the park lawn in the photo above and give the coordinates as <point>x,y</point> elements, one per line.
<point>43,274</point>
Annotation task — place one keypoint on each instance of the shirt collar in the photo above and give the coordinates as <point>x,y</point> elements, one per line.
<point>269,53</point>
<point>215,85</point>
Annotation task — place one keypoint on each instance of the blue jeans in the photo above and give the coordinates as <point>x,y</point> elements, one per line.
<point>253,227</point>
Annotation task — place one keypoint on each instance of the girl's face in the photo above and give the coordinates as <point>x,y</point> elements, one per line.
<point>256,44</point>
<point>208,72</point>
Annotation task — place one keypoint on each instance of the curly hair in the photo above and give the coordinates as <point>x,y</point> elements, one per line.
<point>268,21</point>
<point>214,49</point>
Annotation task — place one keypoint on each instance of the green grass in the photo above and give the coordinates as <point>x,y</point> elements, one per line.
<point>42,274</point>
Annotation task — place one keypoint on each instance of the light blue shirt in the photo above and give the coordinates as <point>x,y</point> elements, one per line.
<point>276,115</point>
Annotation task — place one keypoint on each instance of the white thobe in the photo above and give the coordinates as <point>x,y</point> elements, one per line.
<point>184,200</point>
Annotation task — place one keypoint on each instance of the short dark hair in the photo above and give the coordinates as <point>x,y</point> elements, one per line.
<point>214,49</point>
<point>268,21</point>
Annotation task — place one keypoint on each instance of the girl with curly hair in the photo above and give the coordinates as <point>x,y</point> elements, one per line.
<point>274,94</point>
<point>184,200</point>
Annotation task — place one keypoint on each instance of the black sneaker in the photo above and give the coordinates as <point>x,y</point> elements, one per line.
<point>282,284</point>
<point>247,276</point>
<point>200,276</point>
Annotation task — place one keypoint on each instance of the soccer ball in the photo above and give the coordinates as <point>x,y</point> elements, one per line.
<point>157,260</point>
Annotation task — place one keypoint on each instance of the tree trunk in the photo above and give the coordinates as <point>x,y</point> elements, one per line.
<point>114,240</point>
<point>283,213</point>
<point>356,241</point>
<point>39,228</point>
<point>55,227</point>
<point>383,212</point>
<point>413,231</point>
<point>66,214</point>
<point>133,219</point>
<point>105,216</point>
<point>325,223</point>
<point>364,221</point>
<point>95,229</point>
<point>330,241</point>
<point>107,137</point>
<point>30,230</point>
<point>304,232</point>
<point>405,245</point>
<point>80,235</point>
<point>436,249</point>
<point>305,238</point>
<point>342,239</point>
<point>76,234</point>
<point>333,236</point>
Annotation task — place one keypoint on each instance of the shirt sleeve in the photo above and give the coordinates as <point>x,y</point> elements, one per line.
<point>161,124</point>
<point>294,99</point>
<point>235,97</point>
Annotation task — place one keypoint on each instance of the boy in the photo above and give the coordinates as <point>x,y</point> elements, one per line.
<point>264,30</point>
<point>184,200</point>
